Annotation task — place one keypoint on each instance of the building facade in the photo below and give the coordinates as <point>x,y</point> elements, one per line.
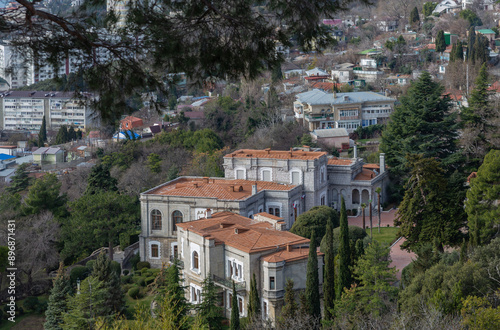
<point>230,247</point>
<point>319,110</point>
<point>24,110</point>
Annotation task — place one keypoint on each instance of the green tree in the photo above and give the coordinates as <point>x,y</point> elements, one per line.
<point>100,180</point>
<point>20,180</point>
<point>62,135</point>
<point>414,17</point>
<point>312,281</point>
<point>110,278</point>
<point>457,52</point>
<point>430,210</point>
<point>480,50</point>
<point>483,210</point>
<point>209,309</point>
<point>253,301</point>
<point>71,133</point>
<point>375,291</point>
<point>175,291</point>
<point>276,74</point>
<point>290,307</point>
<point>329,276</point>
<point>422,123</point>
<point>315,221</point>
<point>470,44</point>
<point>378,190</point>
<point>42,135</point>
<point>440,42</point>
<point>44,194</point>
<point>57,304</point>
<point>471,17</point>
<point>428,8</point>
<point>98,220</point>
<point>154,163</point>
<point>344,277</point>
<point>235,312</point>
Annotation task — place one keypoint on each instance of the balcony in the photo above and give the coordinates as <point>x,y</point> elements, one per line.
<point>228,284</point>
<point>274,294</point>
<point>311,117</point>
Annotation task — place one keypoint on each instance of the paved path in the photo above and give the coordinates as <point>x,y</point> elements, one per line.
<point>400,258</point>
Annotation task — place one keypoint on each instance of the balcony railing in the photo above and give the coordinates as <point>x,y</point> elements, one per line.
<point>318,117</point>
<point>228,284</point>
<point>273,294</point>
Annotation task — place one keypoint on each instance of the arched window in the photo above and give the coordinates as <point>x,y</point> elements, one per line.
<point>155,220</point>
<point>196,263</point>
<point>176,218</point>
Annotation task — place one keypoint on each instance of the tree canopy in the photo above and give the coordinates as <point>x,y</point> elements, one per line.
<point>315,221</point>
<point>440,41</point>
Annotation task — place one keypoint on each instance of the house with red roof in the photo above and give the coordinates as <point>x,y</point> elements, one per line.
<point>230,247</point>
<point>130,122</point>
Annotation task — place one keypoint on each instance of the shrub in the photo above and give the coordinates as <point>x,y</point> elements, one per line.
<point>143,264</point>
<point>135,260</point>
<point>79,272</point>
<point>140,280</point>
<point>150,280</point>
<point>31,303</point>
<point>115,266</point>
<point>126,272</point>
<point>134,292</point>
<point>90,265</point>
<point>126,279</point>
<point>42,307</point>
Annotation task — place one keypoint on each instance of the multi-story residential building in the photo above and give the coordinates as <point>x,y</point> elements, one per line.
<point>284,184</point>
<point>25,110</point>
<point>14,68</point>
<point>187,198</point>
<point>317,110</point>
<point>230,247</point>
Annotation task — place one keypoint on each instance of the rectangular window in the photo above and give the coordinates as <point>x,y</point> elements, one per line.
<point>240,305</point>
<point>295,178</point>
<point>240,174</point>
<point>272,283</point>
<point>154,251</point>
<point>277,211</point>
<point>266,175</point>
<point>240,272</point>
<point>264,310</point>
<point>236,271</point>
<point>230,301</point>
<point>230,267</point>
<point>322,200</point>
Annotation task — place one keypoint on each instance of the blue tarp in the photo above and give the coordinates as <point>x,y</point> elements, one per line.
<point>122,136</point>
<point>5,157</point>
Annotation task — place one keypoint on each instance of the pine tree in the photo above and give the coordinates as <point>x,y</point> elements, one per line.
<point>329,276</point>
<point>20,180</point>
<point>100,180</point>
<point>44,194</point>
<point>290,307</point>
<point>103,272</point>
<point>440,42</point>
<point>253,300</point>
<point>209,309</point>
<point>42,135</point>
<point>312,280</point>
<point>235,312</point>
<point>57,304</point>
<point>344,278</point>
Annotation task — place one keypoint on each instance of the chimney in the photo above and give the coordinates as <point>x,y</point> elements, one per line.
<point>206,179</point>
<point>355,152</point>
<point>209,213</point>
<point>382,163</point>
<point>254,189</point>
<point>289,248</point>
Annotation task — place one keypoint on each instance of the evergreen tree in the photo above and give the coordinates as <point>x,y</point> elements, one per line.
<point>453,52</point>
<point>290,307</point>
<point>209,309</point>
<point>329,276</point>
<point>20,180</point>
<point>57,304</point>
<point>100,180</point>
<point>175,291</point>
<point>42,135</point>
<point>440,42</point>
<point>344,277</point>
<point>303,307</point>
<point>253,300</point>
<point>459,51</point>
<point>422,123</point>
<point>276,74</point>
<point>44,194</point>
<point>428,8</point>
<point>114,299</point>
<point>235,312</point>
<point>312,281</point>
<point>482,207</point>
<point>480,47</point>
<point>71,133</point>
<point>62,135</point>
<point>414,17</point>
<point>470,44</point>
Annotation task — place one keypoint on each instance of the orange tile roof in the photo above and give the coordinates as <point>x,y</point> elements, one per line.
<point>285,255</point>
<point>336,161</point>
<point>365,175</point>
<point>276,154</point>
<point>216,188</point>
<point>495,87</point>
<point>270,216</point>
<point>242,233</point>
<point>371,166</point>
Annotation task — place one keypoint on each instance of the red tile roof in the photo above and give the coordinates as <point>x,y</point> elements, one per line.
<point>276,154</point>
<point>336,161</point>
<point>495,87</point>
<point>242,233</point>
<point>365,175</point>
<point>293,254</point>
<point>216,188</point>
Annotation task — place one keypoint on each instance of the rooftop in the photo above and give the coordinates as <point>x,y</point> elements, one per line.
<point>291,254</point>
<point>37,94</point>
<point>276,154</point>
<point>222,189</point>
<point>46,151</point>
<point>317,97</point>
<point>242,233</point>
<point>330,132</point>
<point>337,161</point>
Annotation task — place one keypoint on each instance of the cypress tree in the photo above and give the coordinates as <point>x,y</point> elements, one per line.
<point>71,133</point>
<point>414,17</point>
<point>480,54</point>
<point>235,312</point>
<point>459,52</point>
<point>312,280</point>
<point>42,135</point>
<point>57,305</point>
<point>209,310</point>
<point>329,281</point>
<point>470,44</point>
<point>344,278</point>
<point>303,307</point>
<point>440,42</point>
<point>453,53</point>
<point>290,307</point>
<point>253,300</point>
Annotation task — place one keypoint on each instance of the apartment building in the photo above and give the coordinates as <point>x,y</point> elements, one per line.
<point>316,109</point>
<point>25,110</point>
<point>230,247</point>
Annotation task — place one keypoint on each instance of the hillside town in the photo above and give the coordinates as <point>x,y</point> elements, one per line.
<point>249,165</point>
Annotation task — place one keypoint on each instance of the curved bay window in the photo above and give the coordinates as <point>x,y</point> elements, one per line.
<point>155,220</point>
<point>176,218</point>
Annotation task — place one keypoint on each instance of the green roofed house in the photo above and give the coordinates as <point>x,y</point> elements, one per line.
<point>488,33</point>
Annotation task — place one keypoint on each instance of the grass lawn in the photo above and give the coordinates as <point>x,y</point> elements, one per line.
<point>387,234</point>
